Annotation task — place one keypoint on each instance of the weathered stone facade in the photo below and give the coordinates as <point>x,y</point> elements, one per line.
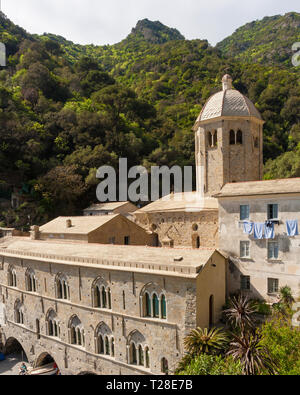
<point>127,280</point>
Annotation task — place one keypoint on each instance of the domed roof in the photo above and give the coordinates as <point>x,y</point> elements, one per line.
<point>228,103</point>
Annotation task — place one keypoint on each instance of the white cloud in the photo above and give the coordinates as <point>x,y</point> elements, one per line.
<point>109,21</point>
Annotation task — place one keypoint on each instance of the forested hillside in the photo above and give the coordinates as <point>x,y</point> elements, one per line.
<point>67,109</point>
<point>267,41</point>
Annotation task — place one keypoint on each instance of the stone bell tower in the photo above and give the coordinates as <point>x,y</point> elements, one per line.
<point>229,140</point>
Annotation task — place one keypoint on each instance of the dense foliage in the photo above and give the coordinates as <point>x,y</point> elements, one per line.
<point>269,40</point>
<point>66,109</point>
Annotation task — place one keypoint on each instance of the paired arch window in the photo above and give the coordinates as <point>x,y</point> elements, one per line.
<point>62,287</point>
<point>212,139</point>
<point>154,305</point>
<point>76,331</point>
<point>235,138</point>
<point>105,342</point>
<point>12,277</point>
<point>101,295</point>
<point>19,312</point>
<point>30,279</point>
<point>52,324</point>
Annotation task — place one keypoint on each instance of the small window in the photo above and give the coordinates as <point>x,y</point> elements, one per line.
<point>245,283</point>
<point>210,139</point>
<point>245,249</point>
<point>273,250</point>
<point>244,212</point>
<point>239,137</point>
<point>127,240</point>
<point>273,285</point>
<point>232,137</point>
<point>215,138</point>
<point>272,211</point>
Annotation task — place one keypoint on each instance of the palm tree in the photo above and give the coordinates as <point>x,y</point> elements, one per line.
<point>205,341</point>
<point>286,296</point>
<point>241,313</point>
<point>253,356</point>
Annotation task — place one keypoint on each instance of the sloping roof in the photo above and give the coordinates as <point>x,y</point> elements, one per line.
<point>228,103</point>
<point>268,187</point>
<point>189,201</point>
<point>80,225</point>
<point>111,206</point>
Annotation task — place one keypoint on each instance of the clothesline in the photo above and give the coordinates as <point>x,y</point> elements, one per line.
<point>266,230</point>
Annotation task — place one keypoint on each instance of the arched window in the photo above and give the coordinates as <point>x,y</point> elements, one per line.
<point>232,137</point>
<point>164,366</point>
<point>112,346</point>
<point>101,295</point>
<point>133,355</point>
<point>19,312</point>
<point>163,307</point>
<point>30,281</point>
<point>153,302</point>
<point>215,139</point>
<point>210,139</point>
<point>52,324</point>
<point>104,340</point>
<point>12,277</point>
<point>62,287</point>
<point>239,137</point>
<point>138,352</point>
<point>76,331</point>
<point>141,356</point>
<point>104,302</point>
<point>147,357</point>
<point>147,304</point>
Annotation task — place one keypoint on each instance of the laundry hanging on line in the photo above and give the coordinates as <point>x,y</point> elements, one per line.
<point>259,230</point>
<point>269,230</point>
<point>292,228</point>
<point>248,227</point>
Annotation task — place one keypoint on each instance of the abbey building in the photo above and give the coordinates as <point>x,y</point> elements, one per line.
<point>116,290</point>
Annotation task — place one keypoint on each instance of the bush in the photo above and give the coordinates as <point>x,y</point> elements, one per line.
<point>209,365</point>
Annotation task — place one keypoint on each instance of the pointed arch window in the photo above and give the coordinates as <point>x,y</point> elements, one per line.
<point>19,313</point>
<point>101,295</point>
<point>155,306</point>
<point>147,357</point>
<point>141,356</point>
<point>12,277</point>
<point>105,343</point>
<point>163,307</point>
<point>30,280</point>
<point>239,137</point>
<point>133,354</point>
<point>62,287</point>
<point>76,329</point>
<point>232,137</point>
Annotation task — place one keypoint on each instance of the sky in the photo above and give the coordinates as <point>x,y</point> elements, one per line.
<point>102,22</point>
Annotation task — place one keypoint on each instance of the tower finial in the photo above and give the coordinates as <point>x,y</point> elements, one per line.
<point>227,82</point>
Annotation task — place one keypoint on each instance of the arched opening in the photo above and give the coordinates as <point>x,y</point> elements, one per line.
<point>164,366</point>
<point>239,137</point>
<point>210,139</point>
<point>14,348</point>
<point>47,362</point>
<point>232,137</point>
<point>211,311</point>
<point>44,359</point>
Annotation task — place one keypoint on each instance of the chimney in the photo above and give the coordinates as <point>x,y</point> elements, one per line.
<point>35,233</point>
